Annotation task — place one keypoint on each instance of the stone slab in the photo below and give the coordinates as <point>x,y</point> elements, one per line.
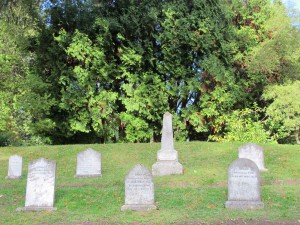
<point>139,190</point>
<point>40,188</point>
<point>88,164</point>
<point>15,165</point>
<point>244,191</point>
<point>139,208</point>
<point>36,209</point>
<point>244,205</point>
<point>253,152</point>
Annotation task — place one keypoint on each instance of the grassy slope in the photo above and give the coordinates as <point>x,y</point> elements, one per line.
<point>198,194</point>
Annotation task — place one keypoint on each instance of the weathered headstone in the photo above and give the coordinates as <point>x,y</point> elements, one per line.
<point>167,158</point>
<point>243,185</point>
<point>253,152</point>
<point>15,164</point>
<point>139,190</point>
<point>40,187</point>
<point>88,163</point>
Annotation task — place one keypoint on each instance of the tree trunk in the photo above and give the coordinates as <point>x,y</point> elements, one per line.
<point>297,135</point>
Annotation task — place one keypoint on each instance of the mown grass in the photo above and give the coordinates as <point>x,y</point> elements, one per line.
<point>199,194</point>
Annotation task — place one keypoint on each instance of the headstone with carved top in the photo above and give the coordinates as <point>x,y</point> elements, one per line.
<point>139,190</point>
<point>88,163</point>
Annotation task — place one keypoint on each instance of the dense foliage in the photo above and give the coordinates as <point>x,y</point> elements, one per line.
<point>75,71</point>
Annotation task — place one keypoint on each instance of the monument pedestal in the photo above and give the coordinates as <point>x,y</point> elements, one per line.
<point>166,167</point>
<point>138,207</point>
<point>244,205</point>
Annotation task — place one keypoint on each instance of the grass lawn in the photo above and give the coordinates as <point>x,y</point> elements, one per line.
<point>199,194</point>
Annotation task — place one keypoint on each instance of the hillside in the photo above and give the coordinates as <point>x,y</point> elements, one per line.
<point>198,195</point>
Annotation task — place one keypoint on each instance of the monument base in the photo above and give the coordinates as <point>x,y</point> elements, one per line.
<point>36,208</point>
<point>163,168</point>
<point>244,205</point>
<point>138,207</point>
<point>89,175</point>
<point>12,177</point>
<point>263,170</point>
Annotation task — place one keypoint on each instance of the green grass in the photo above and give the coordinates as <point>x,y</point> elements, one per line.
<point>199,194</point>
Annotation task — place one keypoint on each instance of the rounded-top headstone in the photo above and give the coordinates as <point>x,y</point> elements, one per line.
<point>243,185</point>
<point>253,152</point>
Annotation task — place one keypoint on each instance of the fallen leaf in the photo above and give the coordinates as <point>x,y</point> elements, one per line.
<point>211,206</point>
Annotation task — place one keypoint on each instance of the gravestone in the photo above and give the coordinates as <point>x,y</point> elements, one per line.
<point>253,152</point>
<point>243,185</point>
<point>139,190</point>
<point>15,164</point>
<point>167,157</point>
<point>88,163</point>
<point>40,187</point>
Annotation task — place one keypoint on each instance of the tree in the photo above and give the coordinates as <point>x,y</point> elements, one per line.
<point>285,107</point>
<point>18,32</point>
<point>106,71</point>
<point>244,126</point>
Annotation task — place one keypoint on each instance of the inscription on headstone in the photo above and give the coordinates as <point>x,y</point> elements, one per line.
<point>139,190</point>
<point>88,163</point>
<point>14,167</point>
<point>40,187</point>
<point>253,152</point>
<point>243,185</point>
<point>167,158</point>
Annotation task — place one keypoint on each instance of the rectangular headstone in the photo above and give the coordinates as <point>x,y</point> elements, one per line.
<point>253,152</point>
<point>88,163</point>
<point>139,190</point>
<point>40,187</point>
<point>15,164</point>
<point>167,157</point>
<point>243,185</point>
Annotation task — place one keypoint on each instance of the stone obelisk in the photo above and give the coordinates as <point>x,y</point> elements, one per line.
<point>167,157</point>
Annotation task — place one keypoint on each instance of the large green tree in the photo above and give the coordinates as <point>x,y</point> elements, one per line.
<point>107,71</point>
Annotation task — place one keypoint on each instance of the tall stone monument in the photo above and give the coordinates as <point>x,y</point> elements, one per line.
<point>253,152</point>
<point>244,185</point>
<point>139,190</point>
<point>40,187</point>
<point>15,164</point>
<point>167,157</point>
<point>88,163</point>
